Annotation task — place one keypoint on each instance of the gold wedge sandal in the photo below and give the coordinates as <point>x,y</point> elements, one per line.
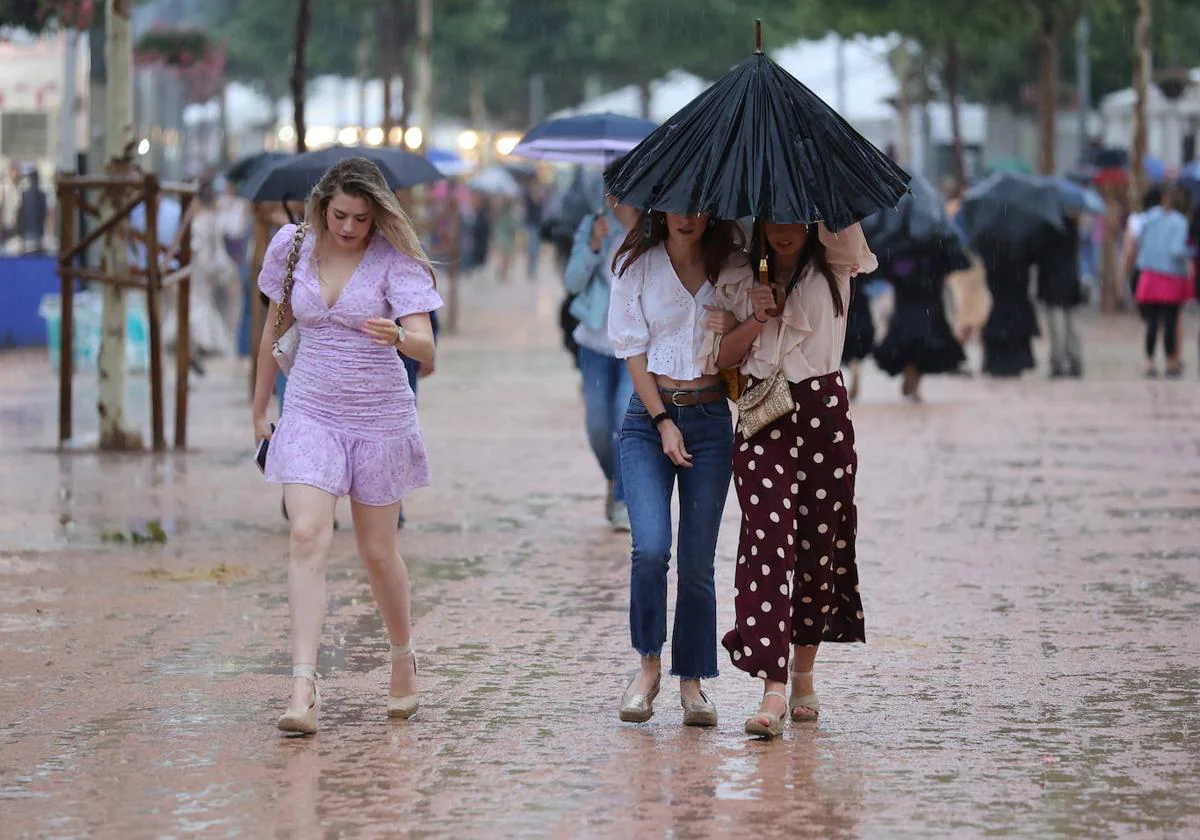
<point>403,707</point>
<point>803,708</point>
<point>304,721</point>
<point>773,728</point>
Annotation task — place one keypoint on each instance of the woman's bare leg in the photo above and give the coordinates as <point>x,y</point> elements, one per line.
<point>375,530</point>
<point>310,513</point>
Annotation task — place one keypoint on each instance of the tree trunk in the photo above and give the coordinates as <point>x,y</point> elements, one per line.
<point>901,62</point>
<point>224,155</point>
<point>384,29</point>
<point>118,148</point>
<point>1048,90</point>
<point>424,88</point>
<point>1141,83</point>
<point>299,72</point>
<point>950,77</point>
<point>362,68</point>
<point>644,99</point>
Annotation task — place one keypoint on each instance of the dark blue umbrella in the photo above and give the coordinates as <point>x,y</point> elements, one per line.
<point>292,179</point>
<point>1078,198</point>
<point>587,138</point>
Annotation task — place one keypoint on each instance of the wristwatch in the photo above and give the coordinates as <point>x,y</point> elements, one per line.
<point>399,335</point>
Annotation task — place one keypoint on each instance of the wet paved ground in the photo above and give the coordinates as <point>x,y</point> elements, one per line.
<point>1030,557</point>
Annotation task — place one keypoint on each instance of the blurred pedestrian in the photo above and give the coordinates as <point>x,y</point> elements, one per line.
<point>860,335</point>
<point>349,425</point>
<point>1012,322</point>
<point>1061,289</point>
<point>1165,281</point>
<point>214,282</point>
<point>10,205</point>
<point>607,386</point>
<point>796,579</point>
<point>33,216</point>
<point>534,198</point>
<point>1151,199</point>
<point>505,222</point>
<point>918,341</point>
<point>678,430</point>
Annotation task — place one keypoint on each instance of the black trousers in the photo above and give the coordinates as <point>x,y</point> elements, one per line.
<point>1166,315</point>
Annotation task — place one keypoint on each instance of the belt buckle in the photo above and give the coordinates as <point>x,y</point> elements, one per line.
<point>675,399</point>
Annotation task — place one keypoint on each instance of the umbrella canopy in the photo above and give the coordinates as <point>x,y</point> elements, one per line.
<point>588,138</point>
<point>245,168</point>
<point>1078,198</point>
<point>1012,208</point>
<point>917,226</point>
<point>495,180</point>
<point>759,143</point>
<point>451,164</point>
<point>293,179</point>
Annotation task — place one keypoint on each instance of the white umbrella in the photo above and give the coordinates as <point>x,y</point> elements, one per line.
<point>495,180</point>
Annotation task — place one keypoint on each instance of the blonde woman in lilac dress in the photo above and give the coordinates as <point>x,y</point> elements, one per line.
<point>349,425</point>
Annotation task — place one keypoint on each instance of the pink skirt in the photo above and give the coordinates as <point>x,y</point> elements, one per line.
<point>1155,287</point>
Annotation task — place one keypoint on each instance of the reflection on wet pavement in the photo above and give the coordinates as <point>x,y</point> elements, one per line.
<point>1029,559</point>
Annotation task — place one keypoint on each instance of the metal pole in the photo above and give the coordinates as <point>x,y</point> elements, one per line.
<point>840,63</point>
<point>1083,76</point>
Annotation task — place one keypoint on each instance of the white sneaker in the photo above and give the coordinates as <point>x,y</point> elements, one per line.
<point>620,517</point>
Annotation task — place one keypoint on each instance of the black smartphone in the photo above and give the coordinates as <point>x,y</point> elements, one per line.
<point>260,457</point>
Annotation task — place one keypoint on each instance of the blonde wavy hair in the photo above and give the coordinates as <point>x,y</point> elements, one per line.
<point>360,178</point>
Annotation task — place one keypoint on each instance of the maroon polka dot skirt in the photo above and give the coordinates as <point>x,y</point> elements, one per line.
<point>796,581</point>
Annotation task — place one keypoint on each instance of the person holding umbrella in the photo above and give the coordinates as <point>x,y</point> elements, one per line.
<point>796,581</point>
<point>349,426</point>
<point>759,143</point>
<point>678,429</point>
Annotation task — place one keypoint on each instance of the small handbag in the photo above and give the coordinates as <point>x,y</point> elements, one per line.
<point>765,403</point>
<point>287,343</point>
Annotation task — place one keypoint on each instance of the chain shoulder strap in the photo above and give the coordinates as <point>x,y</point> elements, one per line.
<point>289,279</point>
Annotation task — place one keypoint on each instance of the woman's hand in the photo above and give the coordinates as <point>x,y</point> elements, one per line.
<point>383,331</point>
<point>762,299</point>
<point>672,443</point>
<point>721,321</point>
<point>600,231</point>
<point>262,429</point>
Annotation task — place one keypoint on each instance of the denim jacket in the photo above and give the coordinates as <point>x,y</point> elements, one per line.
<point>587,274</point>
<point>1162,244</point>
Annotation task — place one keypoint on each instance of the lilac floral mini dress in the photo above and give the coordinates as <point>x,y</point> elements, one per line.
<point>349,424</point>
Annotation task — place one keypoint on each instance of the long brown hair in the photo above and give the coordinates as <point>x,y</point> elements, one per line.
<point>360,178</point>
<point>813,253</point>
<point>721,238</point>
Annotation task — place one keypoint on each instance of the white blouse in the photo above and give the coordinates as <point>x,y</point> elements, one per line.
<point>807,338</point>
<point>652,312</point>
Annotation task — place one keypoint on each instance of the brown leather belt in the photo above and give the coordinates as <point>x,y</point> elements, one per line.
<point>683,399</point>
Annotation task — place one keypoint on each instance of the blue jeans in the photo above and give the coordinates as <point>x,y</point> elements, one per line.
<point>606,392</point>
<point>650,479</point>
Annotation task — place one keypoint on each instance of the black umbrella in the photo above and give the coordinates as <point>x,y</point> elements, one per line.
<point>245,168</point>
<point>917,226</point>
<point>1010,207</point>
<point>292,179</point>
<point>759,143</point>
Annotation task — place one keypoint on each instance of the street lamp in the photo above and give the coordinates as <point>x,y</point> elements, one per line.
<point>468,140</point>
<point>414,137</point>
